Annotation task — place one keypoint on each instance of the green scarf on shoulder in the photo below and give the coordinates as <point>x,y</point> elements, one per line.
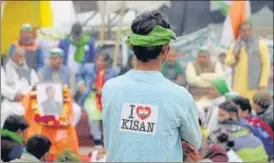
<point>80,48</point>
<point>13,135</point>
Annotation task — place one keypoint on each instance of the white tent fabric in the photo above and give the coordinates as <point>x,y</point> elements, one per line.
<point>140,6</point>
<point>263,18</point>
<point>97,19</point>
<point>214,6</point>
<point>64,14</point>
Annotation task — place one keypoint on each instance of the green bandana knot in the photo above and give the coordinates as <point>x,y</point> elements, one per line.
<point>13,135</point>
<point>158,36</point>
<point>79,54</point>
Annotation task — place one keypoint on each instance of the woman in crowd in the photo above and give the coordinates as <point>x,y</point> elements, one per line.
<point>12,140</point>
<point>93,78</point>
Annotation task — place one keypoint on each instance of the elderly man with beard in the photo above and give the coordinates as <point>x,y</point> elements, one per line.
<point>33,53</point>
<point>249,58</point>
<point>17,79</point>
<point>78,48</point>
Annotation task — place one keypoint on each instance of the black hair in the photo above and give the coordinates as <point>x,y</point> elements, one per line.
<point>229,107</point>
<point>143,25</point>
<point>14,123</point>
<point>38,146</point>
<point>245,23</point>
<point>77,28</point>
<point>200,121</point>
<point>243,103</point>
<point>106,56</point>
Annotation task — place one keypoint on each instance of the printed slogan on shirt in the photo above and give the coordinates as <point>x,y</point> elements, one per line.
<point>139,118</point>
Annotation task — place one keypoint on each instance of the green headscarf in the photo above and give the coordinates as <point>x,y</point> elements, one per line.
<point>221,86</point>
<point>57,52</point>
<point>80,48</point>
<point>26,27</point>
<point>158,36</point>
<point>13,135</point>
<point>203,49</point>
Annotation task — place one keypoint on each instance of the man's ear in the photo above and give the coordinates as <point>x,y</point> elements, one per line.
<point>165,50</point>
<point>18,131</point>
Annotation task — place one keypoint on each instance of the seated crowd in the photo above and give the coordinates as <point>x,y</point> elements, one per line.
<point>229,122</point>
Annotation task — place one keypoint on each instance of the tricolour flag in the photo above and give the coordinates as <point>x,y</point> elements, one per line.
<point>238,13</point>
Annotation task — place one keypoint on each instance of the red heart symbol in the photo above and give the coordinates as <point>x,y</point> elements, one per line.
<point>143,112</point>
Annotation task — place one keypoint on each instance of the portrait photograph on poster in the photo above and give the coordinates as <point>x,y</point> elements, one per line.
<point>50,98</point>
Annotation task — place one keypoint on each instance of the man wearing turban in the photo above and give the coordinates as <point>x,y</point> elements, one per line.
<point>34,56</point>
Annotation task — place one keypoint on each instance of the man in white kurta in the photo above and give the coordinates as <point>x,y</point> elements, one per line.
<point>17,79</point>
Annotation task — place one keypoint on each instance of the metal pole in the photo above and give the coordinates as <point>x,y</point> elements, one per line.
<point>102,28</point>
<point>118,35</point>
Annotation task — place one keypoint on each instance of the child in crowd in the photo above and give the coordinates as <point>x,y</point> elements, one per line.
<point>12,139</point>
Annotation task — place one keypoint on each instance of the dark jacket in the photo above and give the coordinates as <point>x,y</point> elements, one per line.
<point>267,116</point>
<point>10,150</point>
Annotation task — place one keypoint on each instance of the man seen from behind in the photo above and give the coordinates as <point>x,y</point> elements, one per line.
<point>146,116</point>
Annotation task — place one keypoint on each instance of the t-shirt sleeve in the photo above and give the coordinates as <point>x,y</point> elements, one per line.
<point>189,124</point>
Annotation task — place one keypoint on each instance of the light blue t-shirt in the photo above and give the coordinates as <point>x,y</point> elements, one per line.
<point>145,116</point>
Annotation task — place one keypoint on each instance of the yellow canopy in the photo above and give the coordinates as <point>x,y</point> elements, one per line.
<point>16,13</point>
